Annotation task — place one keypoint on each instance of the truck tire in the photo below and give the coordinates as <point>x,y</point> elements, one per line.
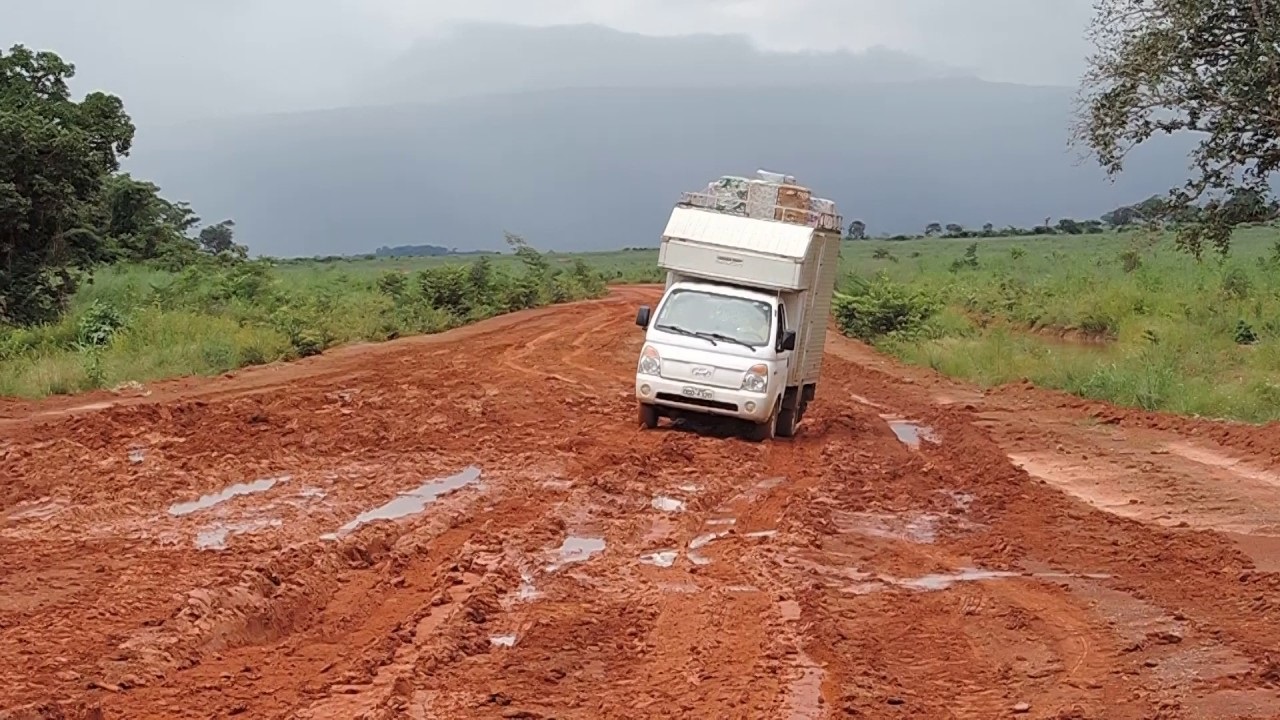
<point>648,416</point>
<point>787,421</point>
<point>765,430</point>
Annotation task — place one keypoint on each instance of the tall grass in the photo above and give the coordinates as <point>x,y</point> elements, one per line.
<point>140,324</point>
<point>1116,317</point>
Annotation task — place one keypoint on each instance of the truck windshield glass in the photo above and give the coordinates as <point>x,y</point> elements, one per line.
<point>716,317</point>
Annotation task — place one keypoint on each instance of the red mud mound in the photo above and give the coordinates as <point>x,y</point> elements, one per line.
<point>471,525</point>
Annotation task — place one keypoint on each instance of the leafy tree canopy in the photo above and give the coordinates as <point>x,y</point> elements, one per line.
<point>64,205</point>
<point>1211,67</point>
<point>54,155</point>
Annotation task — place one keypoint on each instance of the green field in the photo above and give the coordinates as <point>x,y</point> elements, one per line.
<point>139,324</point>
<point>1119,317</point>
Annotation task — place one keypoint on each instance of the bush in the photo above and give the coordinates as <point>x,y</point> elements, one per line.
<point>879,308</point>
<point>99,324</point>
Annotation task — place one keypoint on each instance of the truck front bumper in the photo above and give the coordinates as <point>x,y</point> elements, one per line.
<point>653,390</point>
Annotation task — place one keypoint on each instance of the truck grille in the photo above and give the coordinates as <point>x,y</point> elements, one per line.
<point>698,402</point>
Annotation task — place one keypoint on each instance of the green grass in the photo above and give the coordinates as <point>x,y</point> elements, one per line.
<point>1117,317</point>
<point>136,324</point>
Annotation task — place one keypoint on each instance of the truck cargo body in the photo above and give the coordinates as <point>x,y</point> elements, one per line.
<point>740,329</point>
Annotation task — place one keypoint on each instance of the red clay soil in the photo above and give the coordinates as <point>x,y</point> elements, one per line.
<point>472,525</point>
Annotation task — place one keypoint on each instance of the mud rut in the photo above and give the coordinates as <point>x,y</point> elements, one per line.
<point>921,550</point>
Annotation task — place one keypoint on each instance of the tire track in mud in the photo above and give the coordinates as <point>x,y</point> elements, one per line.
<point>599,571</point>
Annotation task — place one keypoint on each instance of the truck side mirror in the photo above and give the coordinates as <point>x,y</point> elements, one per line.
<point>642,316</point>
<point>789,340</point>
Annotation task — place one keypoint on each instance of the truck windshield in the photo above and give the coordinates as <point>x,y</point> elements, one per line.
<point>716,317</point>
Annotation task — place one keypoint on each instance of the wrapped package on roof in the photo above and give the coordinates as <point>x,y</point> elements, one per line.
<point>762,199</point>
<point>776,178</point>
<point>730,194</point>
<point>793,204</point>
<point>822,214</point>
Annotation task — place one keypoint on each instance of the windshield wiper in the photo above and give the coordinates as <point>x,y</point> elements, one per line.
<point>689,333</point>
<point>727,338</point>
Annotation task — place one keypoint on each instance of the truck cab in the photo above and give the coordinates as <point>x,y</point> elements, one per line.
<point>719,348</point>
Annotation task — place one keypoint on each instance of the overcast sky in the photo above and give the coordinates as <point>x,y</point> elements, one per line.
<point>175,58</point>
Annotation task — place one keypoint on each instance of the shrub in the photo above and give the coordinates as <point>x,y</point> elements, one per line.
<point>879,308</point>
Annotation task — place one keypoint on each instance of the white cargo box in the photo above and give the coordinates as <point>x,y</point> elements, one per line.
<point>736,249</point>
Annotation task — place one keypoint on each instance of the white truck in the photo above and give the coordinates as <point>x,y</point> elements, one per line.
<point>740,328</point>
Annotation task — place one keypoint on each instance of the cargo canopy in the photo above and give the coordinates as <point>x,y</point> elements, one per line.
<point>737,249</point>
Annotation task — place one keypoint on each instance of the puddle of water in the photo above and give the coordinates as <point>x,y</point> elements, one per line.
<point>575,549</point>
<point>667,504</point>
<point>961,499</point>
<point>942,581</point>
<point>935,582</point>
<point>689,488</point>
<point>721,521</point>
<point>912,434</point>
<point>208,501</point>
<point>503,640</point>
<point>42,509</point>
<point>662,558</point>
<point>137,455</point>
<point>410,503</point>
<point>312,493</point>
<point>527,591</point>
<point>215,536</point>
<point>770,483</point>
<point>919,528</point>
<point>706,539</point>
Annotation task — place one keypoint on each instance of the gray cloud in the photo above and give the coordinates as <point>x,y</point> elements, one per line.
<point>174,59</point>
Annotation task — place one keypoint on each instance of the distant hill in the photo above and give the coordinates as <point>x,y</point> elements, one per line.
<point>422,251</point>
<point>582,168</point>
<point>490,58</point>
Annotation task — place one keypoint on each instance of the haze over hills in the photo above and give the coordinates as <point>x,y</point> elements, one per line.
<point>547,133</point>
<point>486,58</point>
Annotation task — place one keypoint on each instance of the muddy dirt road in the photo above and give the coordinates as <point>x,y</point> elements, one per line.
<point>472,525</point>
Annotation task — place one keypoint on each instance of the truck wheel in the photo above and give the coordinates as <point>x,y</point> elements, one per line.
<point>648,416</point>
<point>786,423</point>
<point>765,430</point>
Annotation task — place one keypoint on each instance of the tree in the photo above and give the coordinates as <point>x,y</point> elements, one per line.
<point>988,229</point>
<point>857,231</point>
<point>220,239</point>
<point>55,154</point>
<point>136,224</point>
<point>932,229</point>
<point>1171,66</point>
<point>1067,226</point>
<point>955,229</point>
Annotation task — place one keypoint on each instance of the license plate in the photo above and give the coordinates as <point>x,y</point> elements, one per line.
<point>697,392</point>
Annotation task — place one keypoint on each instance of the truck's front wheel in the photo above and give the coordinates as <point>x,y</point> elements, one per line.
<point>787,420</point>
<point>649,416</point>
<point>765,430</point>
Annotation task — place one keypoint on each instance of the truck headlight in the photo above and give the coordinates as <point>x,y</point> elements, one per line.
<point>650,362</point>
<point>756,379</point>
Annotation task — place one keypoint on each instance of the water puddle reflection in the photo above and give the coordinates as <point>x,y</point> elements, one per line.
<point>576,549</point>
<point>410,503</point>
<point>215,536</point>
<point>910,433</point>
<point>667,504</point>
<point>208,501</point>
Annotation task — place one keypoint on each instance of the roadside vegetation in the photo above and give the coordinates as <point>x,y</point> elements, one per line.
<point>139,323</point>
<point>1121,317</point>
